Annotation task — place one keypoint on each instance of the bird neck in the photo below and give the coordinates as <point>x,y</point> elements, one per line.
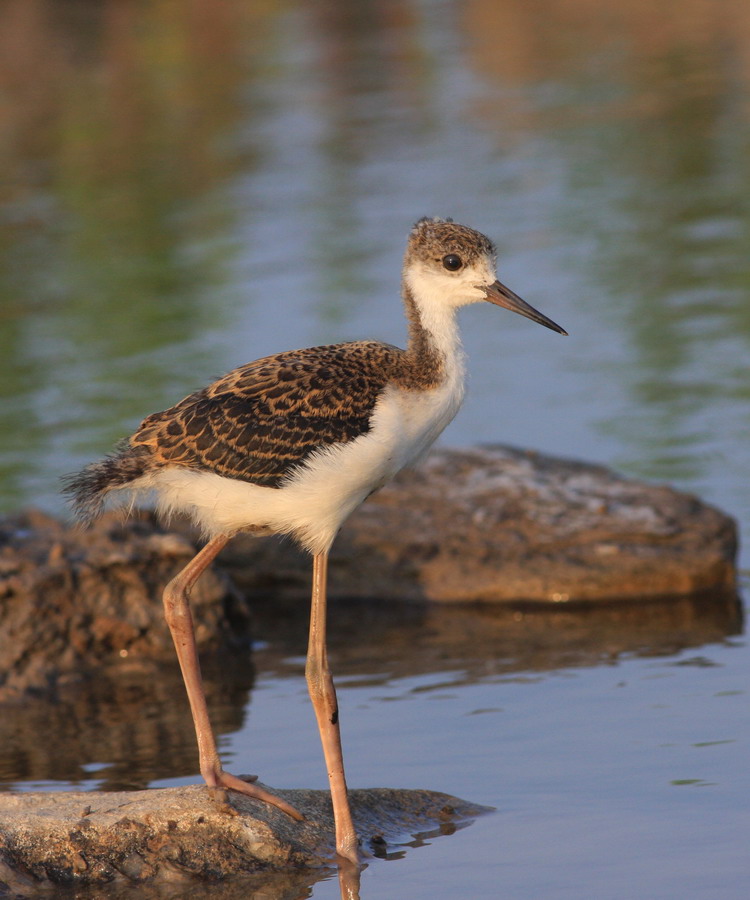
<point>434,345</point>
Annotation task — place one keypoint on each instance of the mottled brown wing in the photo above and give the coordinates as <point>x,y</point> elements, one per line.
<point>262,420</point>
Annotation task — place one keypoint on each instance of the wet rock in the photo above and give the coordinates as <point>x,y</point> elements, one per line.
<point>505,525</point>
<point>179,835</point>
<point>72,600</point>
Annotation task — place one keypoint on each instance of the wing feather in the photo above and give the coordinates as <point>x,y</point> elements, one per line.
<point>261,421</point>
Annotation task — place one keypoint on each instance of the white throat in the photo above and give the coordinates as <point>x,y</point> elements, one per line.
<point>437,315</point>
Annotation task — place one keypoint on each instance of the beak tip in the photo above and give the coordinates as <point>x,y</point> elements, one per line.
<point>500,295</point>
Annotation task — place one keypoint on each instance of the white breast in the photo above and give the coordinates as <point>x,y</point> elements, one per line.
<point>335,480</point>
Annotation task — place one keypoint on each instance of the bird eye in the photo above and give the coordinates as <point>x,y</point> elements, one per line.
<point>452,262</point>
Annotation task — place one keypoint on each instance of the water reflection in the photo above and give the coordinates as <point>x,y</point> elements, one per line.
<point>642,118</point>
<point>291,885</point>
<point>404,640</point>
<point>121,730</point>
<point>111,225</point>
<point>130,727</point>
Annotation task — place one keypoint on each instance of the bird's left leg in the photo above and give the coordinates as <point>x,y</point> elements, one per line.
<point>180,621</point>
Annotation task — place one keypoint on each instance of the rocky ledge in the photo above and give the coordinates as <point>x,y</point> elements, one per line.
<point>178,835</point>
<point>72,599</point>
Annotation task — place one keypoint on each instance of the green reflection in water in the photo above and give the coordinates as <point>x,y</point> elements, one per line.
<point>115,227</point>
<point>146,150</point>
<point>658,195</point>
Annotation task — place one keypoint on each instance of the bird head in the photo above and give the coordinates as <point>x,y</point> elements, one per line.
<point>450,265</point>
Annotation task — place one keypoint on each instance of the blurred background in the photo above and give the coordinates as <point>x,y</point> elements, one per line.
<point>186,186</point>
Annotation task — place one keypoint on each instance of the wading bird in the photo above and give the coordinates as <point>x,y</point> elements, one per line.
<point>292,444</point>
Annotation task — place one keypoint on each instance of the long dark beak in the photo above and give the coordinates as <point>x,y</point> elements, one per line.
<point>500,295</point>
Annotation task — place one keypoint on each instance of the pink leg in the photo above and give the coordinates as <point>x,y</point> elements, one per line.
<point>323,696</point>
<point>180,621</point>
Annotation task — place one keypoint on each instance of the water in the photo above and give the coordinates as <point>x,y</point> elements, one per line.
<point>186,189</point>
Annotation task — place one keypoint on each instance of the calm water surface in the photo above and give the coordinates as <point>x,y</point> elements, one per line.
<point>186,188</point>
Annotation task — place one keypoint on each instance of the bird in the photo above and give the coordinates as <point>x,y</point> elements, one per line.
<point>291,444</point>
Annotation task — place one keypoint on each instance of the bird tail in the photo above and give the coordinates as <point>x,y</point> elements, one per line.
<point>88,488</point>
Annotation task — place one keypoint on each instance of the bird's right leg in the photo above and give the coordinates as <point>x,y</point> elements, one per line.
<point>323,696</point>
<point>180,622</point>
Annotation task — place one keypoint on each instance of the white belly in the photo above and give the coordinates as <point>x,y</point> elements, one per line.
<point>312,505</point>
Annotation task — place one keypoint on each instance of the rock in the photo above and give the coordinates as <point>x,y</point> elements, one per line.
<point>73,599</point>
<point>486,524</point>
<point>178,835</point>
<point>502,525</point>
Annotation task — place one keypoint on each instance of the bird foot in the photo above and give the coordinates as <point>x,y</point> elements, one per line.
<point>223,781</point>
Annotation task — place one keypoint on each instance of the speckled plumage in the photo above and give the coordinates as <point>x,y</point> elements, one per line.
<point>434,237</point>
<point>263,419</point>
